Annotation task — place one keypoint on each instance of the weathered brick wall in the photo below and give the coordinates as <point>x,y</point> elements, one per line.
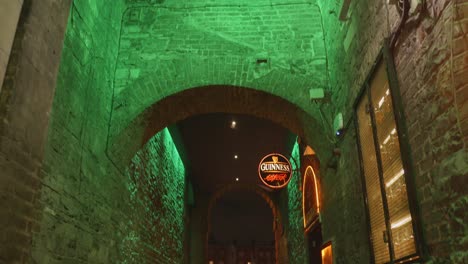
<point>433,78</point>
<point>342,205</point>
<point>170,46</point>
<point>69,218</point>
<point>155,232</point>
<point>89,210</point>
<point>292,240</point>
<point>431,66</point>
<point>213,99</point>
<point>84,200</point>
<point>297,247</point>
<point>25,103</point>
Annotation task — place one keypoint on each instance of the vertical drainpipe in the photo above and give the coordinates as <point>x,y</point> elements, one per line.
<point>9,15</point>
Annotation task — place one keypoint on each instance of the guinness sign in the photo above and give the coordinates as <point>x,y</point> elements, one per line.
<point>275,170</point>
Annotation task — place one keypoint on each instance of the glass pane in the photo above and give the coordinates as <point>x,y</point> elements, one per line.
<point>327,255</point>
<point>371,175</point>
<point>393,173</point>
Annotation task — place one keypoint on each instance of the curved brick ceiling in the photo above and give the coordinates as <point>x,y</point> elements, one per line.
<point>216,99</point>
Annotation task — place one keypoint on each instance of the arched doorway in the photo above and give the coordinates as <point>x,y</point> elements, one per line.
<point>131,149</point>
<point>212,99</point>
<point>242,227</point>
<point>228,99</point>
<point>211,143</point>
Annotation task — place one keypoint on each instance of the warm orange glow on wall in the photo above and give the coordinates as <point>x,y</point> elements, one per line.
<point>316,191</point>
<point>303,198</point>
<point>317,201</point>
<point>327,254</point>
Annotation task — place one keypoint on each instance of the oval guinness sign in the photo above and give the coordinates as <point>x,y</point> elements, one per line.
<point>275,170</point>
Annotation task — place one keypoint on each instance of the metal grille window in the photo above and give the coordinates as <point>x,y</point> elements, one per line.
<point>392,225</point>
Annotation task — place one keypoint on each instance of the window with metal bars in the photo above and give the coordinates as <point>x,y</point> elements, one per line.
<point>393,229</point>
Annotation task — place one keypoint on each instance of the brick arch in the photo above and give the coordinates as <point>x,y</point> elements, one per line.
<point>211,99</point>
<point>277,218</point>
<point>174,78</point>
<point>166,50</point>
<point>277,48</point>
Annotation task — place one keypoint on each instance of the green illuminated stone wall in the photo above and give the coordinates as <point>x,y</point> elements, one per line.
<point>84,201</point>
<point>169,46</point>
<point>81,212</point>
<point>297,248</point>
<point>67,199</point>
<point>155,232</point>
<point>89,211</point>
<point>290,202</point>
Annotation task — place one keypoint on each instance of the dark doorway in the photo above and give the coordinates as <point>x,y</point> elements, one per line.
<point>242,230</point>
<point>314,238</point>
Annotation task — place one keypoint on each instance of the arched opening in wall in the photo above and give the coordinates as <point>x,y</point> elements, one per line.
<point>162,171</point>
<point>311,205</point>
<point>224,151</point>
<point>241,229</point>
<point>88,93</point>
<point>124,142</point>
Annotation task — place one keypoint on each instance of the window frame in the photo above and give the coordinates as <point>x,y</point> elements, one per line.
<point>385,57</point>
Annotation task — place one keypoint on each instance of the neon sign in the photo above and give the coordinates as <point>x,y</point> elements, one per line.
<point>310,197</point>
<point>275,170</point>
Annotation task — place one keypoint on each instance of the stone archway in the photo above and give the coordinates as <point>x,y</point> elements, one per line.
<point>87,104</point>
<point>216,98</point>
<point>277,217</point>
<point>168,47</point>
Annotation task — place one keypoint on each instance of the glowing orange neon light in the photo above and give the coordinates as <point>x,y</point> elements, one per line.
<point>316,193</point>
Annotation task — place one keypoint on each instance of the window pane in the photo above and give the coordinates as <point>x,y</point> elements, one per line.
<point>393,173</point>
<point>327,255</point>
<point>371,175</point>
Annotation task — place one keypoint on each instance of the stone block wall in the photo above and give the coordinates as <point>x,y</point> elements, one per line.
<point>431,65</point>
<point>171,46</point>
<point>85,207</point>
<point>342,205</point>
<point>25,104</point>
<point>435,100</point>
<point>84,200</point>
<point>292,240</point>
<point>294,226</point>
<point>89,210</point>
<point>155,232</point>
<point>72,196</point>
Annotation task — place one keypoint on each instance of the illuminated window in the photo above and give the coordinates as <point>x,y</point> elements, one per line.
<point>392,227</point>
<point>327,254</point>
